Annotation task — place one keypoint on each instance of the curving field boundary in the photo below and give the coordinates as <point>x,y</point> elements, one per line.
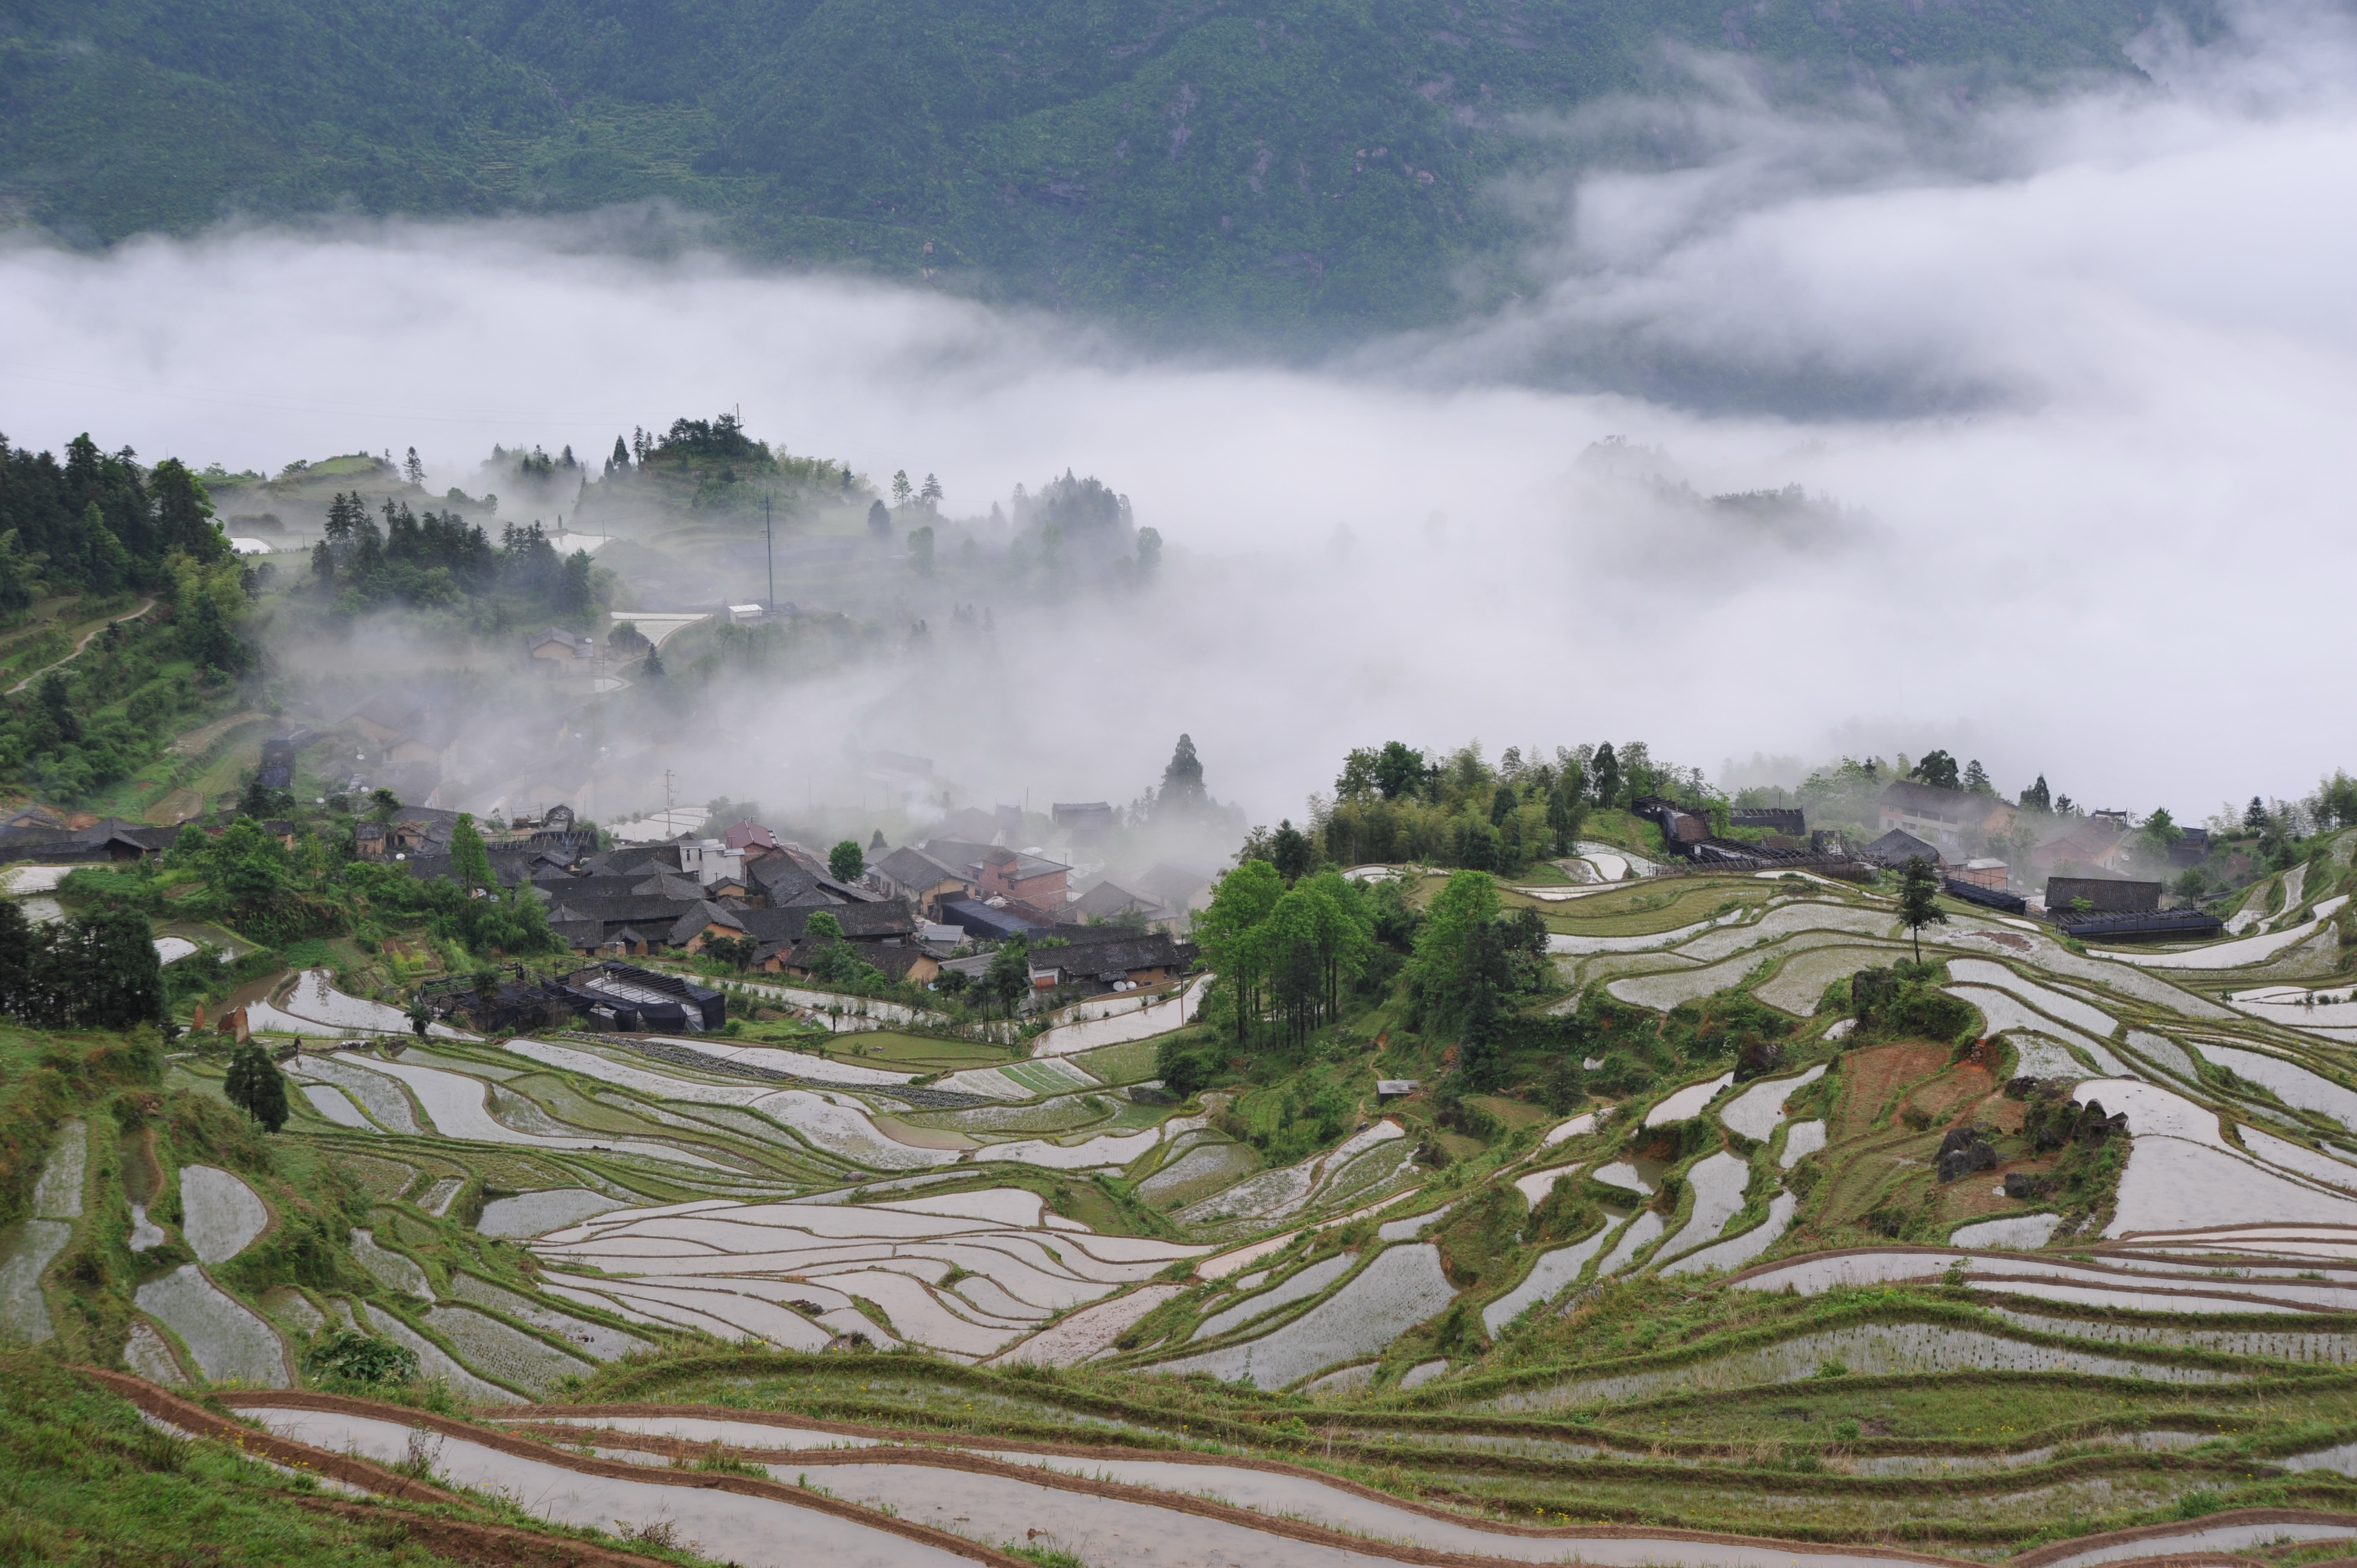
<point>490,1545</point>
<point>494,1438</point>
<point>193,1418</point>
<point>953,1459</point>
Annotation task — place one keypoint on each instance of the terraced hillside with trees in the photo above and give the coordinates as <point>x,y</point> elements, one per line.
<point>1615,1212</point>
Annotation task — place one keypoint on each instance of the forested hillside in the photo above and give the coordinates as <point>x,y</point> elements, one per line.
<point>1288,164</point>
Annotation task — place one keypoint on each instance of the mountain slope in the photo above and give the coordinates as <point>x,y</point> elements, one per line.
<point>1285,164</point>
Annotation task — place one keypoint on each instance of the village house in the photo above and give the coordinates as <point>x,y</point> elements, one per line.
<point>898,962</point>
<point>710,860</point>
<point>551,647</point>
<point>2100,895</point>
<point>1984,872</point>
<point>2087,846</point>
<point>1021,878</point>
<point>988,922</point>
<point>1083,821</point>
<point>641,1001</point>
<point>1098,961</point>
<point>1897,847</point>
<point>919,880</point>
<point>1956,819</point>
<point>1781,821</point>
<point>109,838</point>
<point>1109,902</point>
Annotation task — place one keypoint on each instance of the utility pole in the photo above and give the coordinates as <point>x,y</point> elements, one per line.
<point>769,550</point>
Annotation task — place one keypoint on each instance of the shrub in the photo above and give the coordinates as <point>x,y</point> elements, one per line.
<point>351,1357</point>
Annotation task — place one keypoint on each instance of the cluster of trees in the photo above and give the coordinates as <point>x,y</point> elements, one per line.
<point>1394,802</point>
<point>250,880</point>
<point>439,560</point>
<point>97,971</point>
<point>96,523</point>
<point>1471,965</point>
<point>720,468</point>
<point>1286,955</point>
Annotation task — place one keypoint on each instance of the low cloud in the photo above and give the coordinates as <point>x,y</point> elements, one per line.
<point>2066,387</point>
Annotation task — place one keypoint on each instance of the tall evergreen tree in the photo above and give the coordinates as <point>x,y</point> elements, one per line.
<point>255,1086</point>
<point>184,513</point>
<point>470,863</point>
<point>15,576</point>
<point>1919,894</point>
<point>17,951</point>
<point>2037,798</point>
<point>1608,776</point>
<point>57,702</point>
<point>1291,852</point>
<point>1182,792</point>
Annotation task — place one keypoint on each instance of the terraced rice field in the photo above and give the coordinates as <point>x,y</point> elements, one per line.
<point>1413,1349</point>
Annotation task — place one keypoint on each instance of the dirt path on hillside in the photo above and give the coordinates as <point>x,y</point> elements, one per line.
<point>83,642</point>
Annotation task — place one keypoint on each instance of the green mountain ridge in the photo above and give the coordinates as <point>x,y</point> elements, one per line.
<point>1305,170</point>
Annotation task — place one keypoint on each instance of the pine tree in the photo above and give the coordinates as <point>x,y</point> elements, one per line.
<point>16,577</point>
<point>929,498</point>
<point>880,520</point>
<point>470,863</point>
<point>902,493</point>
<point>57,702</point>
<point>413,469</point>
<point>1608,776</point>
<point>1976,778</point>
<point>254,1085</point>
<point>2037,798</point>
<point>1182,782</point>
<point>2254,815</point>
<point>651,667</point>
<point>184,513</point>
<point>620,460</point>
<point>1919,894</point>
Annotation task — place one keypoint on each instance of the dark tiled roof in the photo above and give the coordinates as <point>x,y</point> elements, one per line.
<point>915,868</point>
<point>980,919</point>
<point>1958,806</point>
<point>1174,884</point>
<point>1106,900</point>
<point>1897,847</point>
<point>859,921</point>
<point>1098,960</point>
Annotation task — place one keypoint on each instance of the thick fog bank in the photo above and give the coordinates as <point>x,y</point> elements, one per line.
<point>2069,395</point>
